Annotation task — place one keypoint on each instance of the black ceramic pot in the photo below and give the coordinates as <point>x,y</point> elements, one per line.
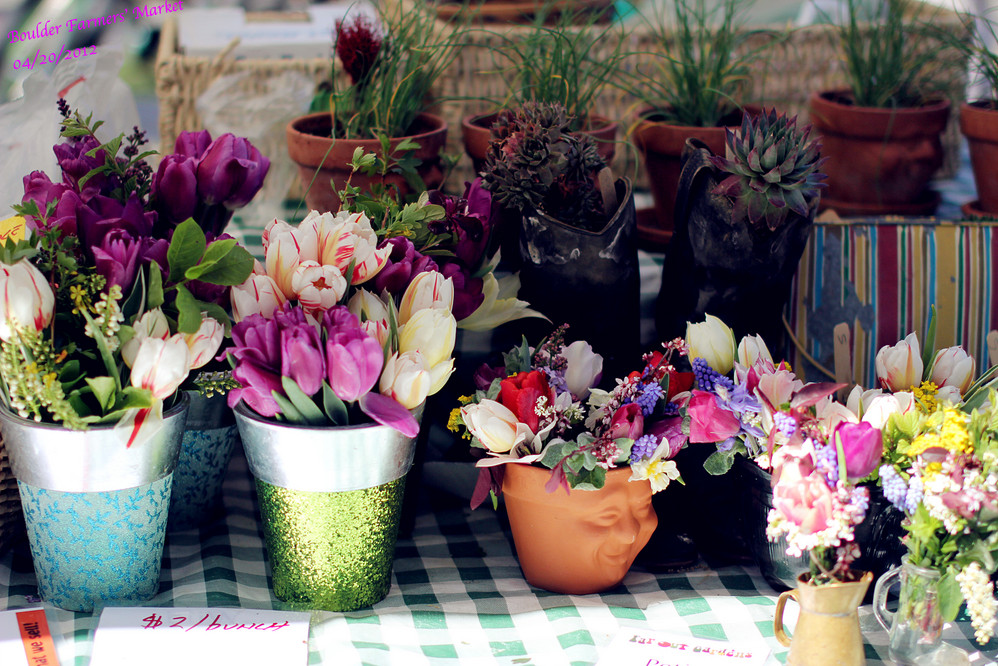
<point>730,269</point>
<point>588,279</point>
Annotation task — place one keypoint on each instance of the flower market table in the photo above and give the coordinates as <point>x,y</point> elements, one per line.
<point>457,597</point>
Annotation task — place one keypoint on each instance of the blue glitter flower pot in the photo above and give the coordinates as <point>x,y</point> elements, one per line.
<point>205,453</point>
<point>330,499</point>
<point>95,509</point>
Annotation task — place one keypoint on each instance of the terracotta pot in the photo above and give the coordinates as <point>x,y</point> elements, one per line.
<point>979,123</point>
<point>880,161</point>
<point>476,131</point>
<point>311,148</point>
<point>827,631</point>
<point>581,542</point>
<point>661,144</point>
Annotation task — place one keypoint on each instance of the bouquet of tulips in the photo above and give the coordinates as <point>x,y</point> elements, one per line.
<point>531,411</point>
<point>100,318</point>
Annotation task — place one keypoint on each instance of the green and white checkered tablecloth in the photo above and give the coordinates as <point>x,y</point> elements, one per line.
<point>457,597</point>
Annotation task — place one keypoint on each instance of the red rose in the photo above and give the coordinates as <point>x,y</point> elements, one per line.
<point>520,393</point>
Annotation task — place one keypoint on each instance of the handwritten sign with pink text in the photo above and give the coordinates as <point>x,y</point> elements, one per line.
<point>171,636</point>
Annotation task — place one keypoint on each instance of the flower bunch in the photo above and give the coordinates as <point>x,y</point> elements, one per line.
<point>101,322</point>
<point>531,411</point>
<point>942,471</point>
<point>816,501</point>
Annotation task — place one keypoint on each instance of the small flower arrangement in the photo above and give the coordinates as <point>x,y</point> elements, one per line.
<point>101,321</point>
<point>531,411</point>
<point>941,469</point>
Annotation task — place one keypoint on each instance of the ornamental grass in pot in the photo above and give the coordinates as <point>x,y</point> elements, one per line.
<point>691,87</point>
<point>561,63</point>
<point>577,227</point>
<point>392,62</point>
<point>100,327</point>
<point>577,486</point>
<point>882,134</point>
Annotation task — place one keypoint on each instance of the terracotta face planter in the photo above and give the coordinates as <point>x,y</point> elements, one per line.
<point>312,149</point>
<point>477,130</point>
<point>661,144</point>
<point>880,161</point>
<point>979,123</point>
<point>578,543</point>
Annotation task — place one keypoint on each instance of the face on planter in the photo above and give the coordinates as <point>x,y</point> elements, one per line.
<point>614,530</point>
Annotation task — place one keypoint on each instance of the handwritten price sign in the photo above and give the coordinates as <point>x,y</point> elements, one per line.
<point>171,636</point>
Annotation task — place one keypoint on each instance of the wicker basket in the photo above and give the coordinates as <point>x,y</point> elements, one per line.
<point>11,518</point>
<point>807,59</point>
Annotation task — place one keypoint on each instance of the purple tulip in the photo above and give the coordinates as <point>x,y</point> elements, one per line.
<point>175,188</point>
<point>486,374</point>
<point>404,263</point>
<point>231,172</point>
<point>468,294</point>
<point>40,189</point>
<point>102,214</point>
<point>154,250</point>
<point>258,383</point>
<point>192,144</point>
<point>302,359</point>
<point>389,412</point>
<point>75,164</point>
<point>353,358</point>
<point>469,219</point>
<point>862,445</point>
<point>257,339</point>
<point>117,258</point>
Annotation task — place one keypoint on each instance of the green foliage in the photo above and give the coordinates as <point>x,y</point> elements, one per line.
<point>535,163</point>
<point>773,167</point>
<point>701,62</point>
<point>566,63</point>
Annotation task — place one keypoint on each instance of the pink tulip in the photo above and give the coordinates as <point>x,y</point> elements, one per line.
<point>258,295</point>
<point>900,367</point>
<point>805,501</point>
<point>778,386</point>
<point>353,359</point>
<point>862,445</point>
<point>26,299</point>
<point>709,422</point>
<point>627,422</point>
<point>953,367</point>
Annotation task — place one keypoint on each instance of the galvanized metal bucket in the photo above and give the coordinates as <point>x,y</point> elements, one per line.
<point>95,509</point>
<point>330,499</point>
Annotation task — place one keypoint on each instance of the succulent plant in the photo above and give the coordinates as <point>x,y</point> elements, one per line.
<point>535,164</point>
<point>773,167</point>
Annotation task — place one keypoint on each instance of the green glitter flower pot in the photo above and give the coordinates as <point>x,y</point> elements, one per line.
<point>330,499</point>
<point>95,509</point>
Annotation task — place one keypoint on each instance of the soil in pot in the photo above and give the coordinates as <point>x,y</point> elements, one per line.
<point>311,147</point>
<point>979,123</point>
<point>880,161</point>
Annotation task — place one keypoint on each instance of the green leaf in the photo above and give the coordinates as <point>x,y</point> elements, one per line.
<point>335,408</point>
<point>103,388</point>
<point>188,311</point>
<point>225,263</point>
<point>304,404</point>
<point>288,410</point>
<point>719,462</point>
<point>130,397</point>
<point>929,346</point>
<point>950,598</point>
<point>186,248</point>
<point>154,292</point>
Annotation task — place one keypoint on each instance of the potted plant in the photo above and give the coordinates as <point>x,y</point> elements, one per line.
<point>690,88</point>
<point>560,63</point>
<point>741,226</point>
<point>882,134</point>
<point>577,228</point>
<point>979,118</point>
<point>952,532</point>
<point>392,65</point>
<point>99,330</point>
<point>817,506</point>
<point>577,487</point>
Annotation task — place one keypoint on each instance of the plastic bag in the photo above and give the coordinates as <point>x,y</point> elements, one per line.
<point>31,123</point>
<point>259,108</point>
